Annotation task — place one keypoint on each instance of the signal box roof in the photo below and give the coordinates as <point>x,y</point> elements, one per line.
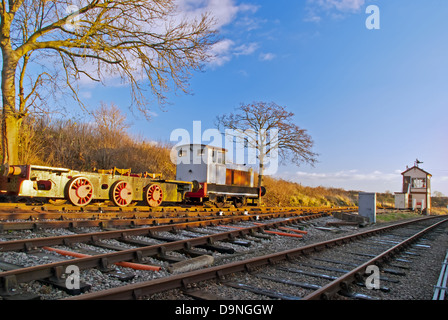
<point>415,167</point>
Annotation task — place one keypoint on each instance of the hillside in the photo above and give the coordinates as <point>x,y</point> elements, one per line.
<point>286,193</point>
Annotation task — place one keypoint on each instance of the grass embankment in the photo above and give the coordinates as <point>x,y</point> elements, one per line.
<point>439,211</point>
<point>391,216</point>
<point>281,193</point>
<point>395,215</point>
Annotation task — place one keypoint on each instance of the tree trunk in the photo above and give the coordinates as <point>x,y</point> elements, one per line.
<point>11,119</point>
<point>10,139</point>
<point>260,181</point>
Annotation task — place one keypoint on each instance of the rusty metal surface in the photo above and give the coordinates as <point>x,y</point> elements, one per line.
<point>81,187</point>
<point>53,211</point>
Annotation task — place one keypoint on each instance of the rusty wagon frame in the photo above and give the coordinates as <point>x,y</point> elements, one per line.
<point>80,188</point>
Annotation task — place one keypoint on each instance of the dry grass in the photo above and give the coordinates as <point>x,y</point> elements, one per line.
<point>84,146</point>
<point>393,215</point>
<point>439,211</point>
<point>291,194</point>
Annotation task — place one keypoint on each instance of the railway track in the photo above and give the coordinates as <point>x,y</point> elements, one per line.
<point>332,269</point>
<point>33,217</point>
<point>151,248</point>
<point>160,255</point>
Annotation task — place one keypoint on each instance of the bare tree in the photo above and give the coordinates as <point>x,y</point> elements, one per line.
<point>110,122</point>
<point>110,128</point>
<point>137,40</point>
<point>269,129</point>
<point>437,194</point>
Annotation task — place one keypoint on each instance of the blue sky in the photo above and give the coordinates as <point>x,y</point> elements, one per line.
<point>372,100</point>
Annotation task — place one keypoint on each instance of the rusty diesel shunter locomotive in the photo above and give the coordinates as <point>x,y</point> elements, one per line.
<point>216,180</point>
<point>80,188</point>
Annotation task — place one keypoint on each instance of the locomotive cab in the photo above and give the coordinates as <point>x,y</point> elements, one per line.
<point>218,181</point>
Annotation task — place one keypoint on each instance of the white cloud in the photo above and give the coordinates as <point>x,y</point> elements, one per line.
<point>350,175</point>
<point>226,49</point>
<point>267,56</point>
<point>246,49</point>
<point>312,17</point>
<point>250,23</point>
<point>248,8</point>
<point>244,73</point>
<point>224,11</point>
<point>375,181</point>
<point>371,181</point>
<point>222,52</point>
<point>340,5</point>
<point>334,8</point>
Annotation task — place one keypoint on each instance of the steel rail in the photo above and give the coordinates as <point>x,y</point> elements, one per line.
<point>30,244</point>
<point>327,291</point>
<point>138,290</point>
<point>37,214</point>
<point>103,260</point>
<point>107,213</point>
<point>101,223</point>
<point>8,209</point>
<point>105,219</point>
<point>440,289</point>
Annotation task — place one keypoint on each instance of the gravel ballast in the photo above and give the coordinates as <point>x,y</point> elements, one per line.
<point>418,285</point>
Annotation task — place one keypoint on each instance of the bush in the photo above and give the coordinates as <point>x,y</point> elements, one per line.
<point>285,193</point>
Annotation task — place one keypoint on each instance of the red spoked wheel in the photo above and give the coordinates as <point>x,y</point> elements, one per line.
<point>154,195</point>
<point>79,191</point>
<point>121,193</point>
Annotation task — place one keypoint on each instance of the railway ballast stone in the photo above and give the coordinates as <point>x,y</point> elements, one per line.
<point>191,264</point>
<point>351,217</point>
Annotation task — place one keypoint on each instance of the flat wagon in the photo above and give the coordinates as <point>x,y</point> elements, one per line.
<point>119,186</point>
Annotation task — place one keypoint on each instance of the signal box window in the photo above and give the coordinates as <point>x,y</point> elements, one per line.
<point>419,183</point>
